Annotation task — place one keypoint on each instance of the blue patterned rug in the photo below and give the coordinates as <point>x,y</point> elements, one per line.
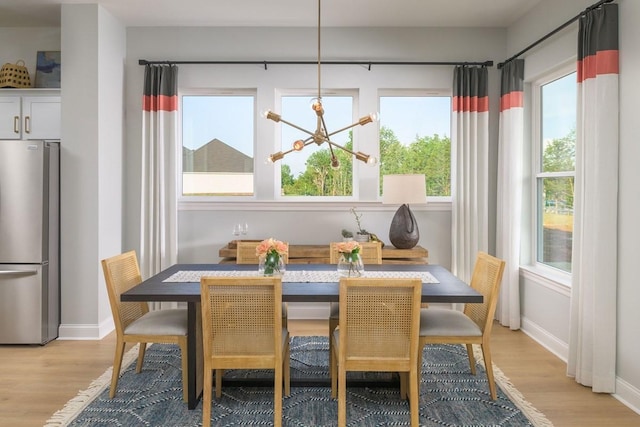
<point>449,396</point>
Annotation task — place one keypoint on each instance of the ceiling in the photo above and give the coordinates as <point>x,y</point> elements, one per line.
<point>301,13</point>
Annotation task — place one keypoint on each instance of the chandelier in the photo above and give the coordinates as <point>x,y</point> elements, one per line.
<point>321,135</point>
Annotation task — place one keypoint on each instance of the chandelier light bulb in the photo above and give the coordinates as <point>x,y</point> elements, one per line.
<point>375,116</point>
<point>298,145</point>
<point>372,161</point>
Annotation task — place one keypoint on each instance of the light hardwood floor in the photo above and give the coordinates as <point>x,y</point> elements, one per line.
<point>36,381</point>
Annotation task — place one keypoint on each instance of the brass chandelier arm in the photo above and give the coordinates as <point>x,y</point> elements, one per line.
<point>363,121</point>
<point>297,127</point>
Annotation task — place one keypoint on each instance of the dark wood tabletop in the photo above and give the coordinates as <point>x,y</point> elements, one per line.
<point>449,290</point>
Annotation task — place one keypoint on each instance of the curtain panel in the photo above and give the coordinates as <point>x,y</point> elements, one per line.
<point>592,329</point>
<point>509,197</point>
<point>158,230</point>
<point>470,149</point>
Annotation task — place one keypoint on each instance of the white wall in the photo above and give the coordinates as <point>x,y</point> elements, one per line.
<point>545,307</point>
<point>91,163</point>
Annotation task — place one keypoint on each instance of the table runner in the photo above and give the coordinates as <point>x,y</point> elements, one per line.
<point>299,276</point>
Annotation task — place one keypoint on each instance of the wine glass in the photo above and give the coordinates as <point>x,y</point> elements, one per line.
<point>244,229</point>
<point>237,229</point>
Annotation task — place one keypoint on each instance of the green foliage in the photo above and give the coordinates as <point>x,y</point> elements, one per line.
<point>560,156</point>
<point>428,155</point>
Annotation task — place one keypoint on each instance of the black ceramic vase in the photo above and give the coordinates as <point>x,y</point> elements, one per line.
<point>403,232</point>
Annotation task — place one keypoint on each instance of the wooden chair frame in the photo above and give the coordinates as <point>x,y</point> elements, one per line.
<point>242,329</point>
<point>121,273</point>
<point>486,279</point>
<point>371,253</point>
<point>378,331</point>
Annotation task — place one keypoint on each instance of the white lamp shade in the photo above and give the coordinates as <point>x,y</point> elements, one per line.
<point>404,189</point>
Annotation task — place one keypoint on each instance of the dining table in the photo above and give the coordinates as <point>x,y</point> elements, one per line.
<point>300,283</point>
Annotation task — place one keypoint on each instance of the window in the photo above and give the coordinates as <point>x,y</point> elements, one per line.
<point>554,156</point>
<point>308,172</point>
<point>217,144</point>
<point>415,138</point>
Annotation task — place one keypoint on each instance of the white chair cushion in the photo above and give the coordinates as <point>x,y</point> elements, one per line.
<point>436,322</point>
<point>160,322</point>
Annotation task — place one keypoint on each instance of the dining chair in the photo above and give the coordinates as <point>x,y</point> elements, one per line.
<point>135,323</point>
<point>246,254</point>
<point>242,329</point>
<point>378,331</point>
<point>471,326</point>
<point>371,253</point>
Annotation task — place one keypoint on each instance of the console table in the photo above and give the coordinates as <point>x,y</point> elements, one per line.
<point>319,254</point>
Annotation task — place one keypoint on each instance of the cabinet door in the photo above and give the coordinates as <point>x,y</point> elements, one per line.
<point>41,117</point>
<point>10,122</point>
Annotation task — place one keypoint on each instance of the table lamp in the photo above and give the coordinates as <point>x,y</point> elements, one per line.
<point>403,190</point>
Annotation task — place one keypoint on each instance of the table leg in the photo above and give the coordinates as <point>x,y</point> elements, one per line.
<point>194,348</point>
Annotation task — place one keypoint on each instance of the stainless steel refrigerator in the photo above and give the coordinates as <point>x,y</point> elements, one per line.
<point>29,241</point>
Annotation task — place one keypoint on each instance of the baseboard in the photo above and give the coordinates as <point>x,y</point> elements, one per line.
<point>80,332</point>
<point>628,395</point>
<point>545,339</point>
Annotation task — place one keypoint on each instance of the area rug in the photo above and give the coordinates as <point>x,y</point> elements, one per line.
<point>449,396</point>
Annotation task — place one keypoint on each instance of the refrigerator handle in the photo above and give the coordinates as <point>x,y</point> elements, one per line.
<point>18,272</point>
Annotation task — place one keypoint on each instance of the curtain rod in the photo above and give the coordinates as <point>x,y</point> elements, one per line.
<point>265,63</point>
<point>561,27</point>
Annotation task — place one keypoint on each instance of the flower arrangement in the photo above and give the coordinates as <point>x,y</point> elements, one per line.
<point>350,263</point>
<point>270,253</point>
<point>349,249</point>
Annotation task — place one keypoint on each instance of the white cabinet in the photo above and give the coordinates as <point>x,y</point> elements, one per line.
<point>29,117</point>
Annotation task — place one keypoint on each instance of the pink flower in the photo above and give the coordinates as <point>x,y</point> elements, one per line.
<point>348,247</point>
<point>271,245</point>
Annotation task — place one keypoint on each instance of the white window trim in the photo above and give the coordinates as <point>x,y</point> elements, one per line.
<point>554,276</point>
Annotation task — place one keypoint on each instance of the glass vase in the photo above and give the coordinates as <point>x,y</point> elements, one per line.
<point>350,265</point>
<point>271,265</point>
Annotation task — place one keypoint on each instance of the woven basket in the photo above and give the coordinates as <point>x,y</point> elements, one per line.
<point>14,75</point>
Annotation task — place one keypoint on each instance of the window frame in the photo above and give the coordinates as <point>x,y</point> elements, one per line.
<point>537,175</point>
<point>247,92</point>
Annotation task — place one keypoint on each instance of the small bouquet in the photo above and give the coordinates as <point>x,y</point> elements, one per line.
<point>270,253</point>
<point>348,249</point>
<point>350,262</point>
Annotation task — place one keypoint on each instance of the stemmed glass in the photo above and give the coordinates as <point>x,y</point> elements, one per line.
<point>237,229</point>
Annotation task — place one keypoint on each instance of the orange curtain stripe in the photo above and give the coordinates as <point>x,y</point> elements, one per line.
<point>471,104</point>
<point>603,62</point>
<point>159,103</point>
<point>511,100</point>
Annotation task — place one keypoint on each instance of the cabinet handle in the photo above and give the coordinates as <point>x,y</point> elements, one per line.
<point>27,124</point>
<point>16,124</point>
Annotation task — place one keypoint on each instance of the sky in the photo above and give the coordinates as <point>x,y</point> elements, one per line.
<point>559,107</point>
